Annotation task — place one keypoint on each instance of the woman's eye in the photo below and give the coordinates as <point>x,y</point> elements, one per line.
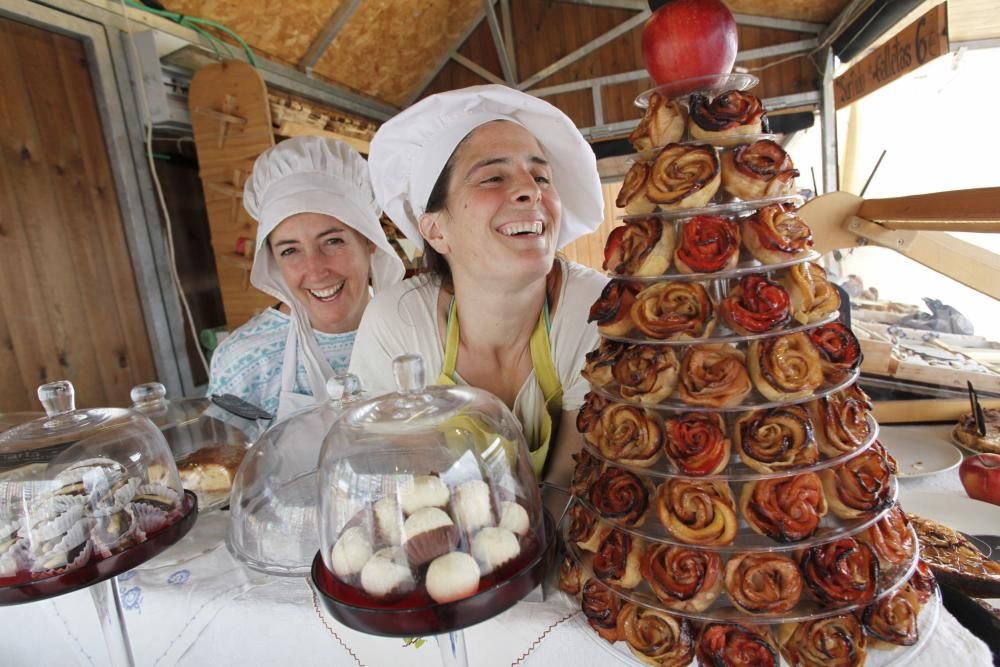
<point>334,241</point>
<point>493,179</point>
<point>287,251</point>
<point>543,179</point>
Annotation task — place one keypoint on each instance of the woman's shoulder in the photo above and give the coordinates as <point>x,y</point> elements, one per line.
<point>408,296</point>
<point>582,285</point>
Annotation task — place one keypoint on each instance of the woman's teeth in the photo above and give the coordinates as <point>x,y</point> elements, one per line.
<point>327,293</point>
<point>515,228</point>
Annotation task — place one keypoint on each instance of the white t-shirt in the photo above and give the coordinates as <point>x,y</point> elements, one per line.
<point>403,319</point>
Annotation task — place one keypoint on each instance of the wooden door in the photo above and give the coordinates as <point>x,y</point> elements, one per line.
<point>69,305</point>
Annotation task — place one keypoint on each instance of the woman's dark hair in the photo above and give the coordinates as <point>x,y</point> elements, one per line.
<point>435,263</point>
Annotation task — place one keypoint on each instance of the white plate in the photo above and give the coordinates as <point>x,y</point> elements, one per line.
<point>921,450</point>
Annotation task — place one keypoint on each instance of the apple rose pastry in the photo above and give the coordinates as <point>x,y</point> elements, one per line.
<point>736,645</point>
<point>841,421</point>
<point>923,582</point>
<point>639,248</point>
<point>630,435</point>
<point>758,170</point>
<point>588,419</point>
<point>601,606</point>
<point>786,367</point>
<point>586,471</point>
<point>858,486</point>
<point>613,309</point>
<point>646,373</point>
<point>756,305</point>
<point>701,513</point>
<point>597,369</point>
<point>891,620</point>
<point>674,309</point>
<point>621,496</point>
<point>891,538</point>
<point>682,578</point>
<point>839,351</point>
<point>708,243</point>
<point>616,560</point>
<point>776,439</point>
<point>684,176</point>
<point>584,529</point>
<point>844,571</point>
<point>833,641</point>
<point>713,376</point>
<point>813,296</point>
<point>763,583</point>
<point>663,123</point>
<point>731,113</point>
<point>787,509</point>
<point>696,443</point>
<point>632,197</point>
<point>775,234</point>
<point>570,576</point>
<point>656,637</point>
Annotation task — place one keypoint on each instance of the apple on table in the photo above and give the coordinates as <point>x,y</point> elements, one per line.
<point>980,475</point>
<point>688,38</point>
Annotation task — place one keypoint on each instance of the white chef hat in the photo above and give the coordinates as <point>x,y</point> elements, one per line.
<point>410,150</point>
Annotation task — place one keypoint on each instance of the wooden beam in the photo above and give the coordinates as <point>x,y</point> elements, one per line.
<point>478,69</point>
<point>329,32</point>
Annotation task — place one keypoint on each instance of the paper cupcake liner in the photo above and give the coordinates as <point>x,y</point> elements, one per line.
<point>45,566</point>
<point>115,499</point>
<point>44,554</point>
<point>8,534</point>
<point>15,559</point>
<point>157,490</point>
<point>150,519</point>
<point>108,543</point>
<point>60,525</point>
<point>99,470</point>
<point>50,508</point>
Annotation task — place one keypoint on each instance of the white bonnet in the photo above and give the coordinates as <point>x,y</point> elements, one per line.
<point>410,150</point>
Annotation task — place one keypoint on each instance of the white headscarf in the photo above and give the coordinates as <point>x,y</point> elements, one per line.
<point>313,175</point>
<point>410,150</point>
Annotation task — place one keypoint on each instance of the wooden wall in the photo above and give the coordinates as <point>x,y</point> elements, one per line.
<point>589,250</point>
<point>69,306</point>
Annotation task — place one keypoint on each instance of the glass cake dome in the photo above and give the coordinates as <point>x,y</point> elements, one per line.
<point>81,486</point>
<point>430,517</point>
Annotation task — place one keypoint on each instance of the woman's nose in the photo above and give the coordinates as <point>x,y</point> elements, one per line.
<point>525,188</point>
<point>316,265</point>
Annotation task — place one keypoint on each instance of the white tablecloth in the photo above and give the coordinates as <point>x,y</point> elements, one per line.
<point>196,605</point>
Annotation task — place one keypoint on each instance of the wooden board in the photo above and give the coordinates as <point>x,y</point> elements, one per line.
<point>226,152</point>
<point>70,305</point>
<point>589,250</point>
<point>880,360</point>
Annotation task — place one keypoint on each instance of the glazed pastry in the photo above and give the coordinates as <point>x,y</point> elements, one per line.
<point>833,641</point>
<point>839,351</point>
<point>646,373</point>
<point>682,578</point>
<point>613,310</point>
<point>891,538</point>
<point>617,558</point>
<point>758,170</point>
<point>673,310</point>
<point>787,509</point>
<point>954,559</point>
<point>494,547</point>
<point>427,534</point>
<point>775,234</point>
<point>966,431</point>
<point>785,368</point>
<point>844,571</point>
<point>583,530</point>
<point>841,421</point>
<point>858,486</point>
<point>451,577</point>
<point>632,196</point>
<point>588,468</point>
<point>763,583</point>
<point>386,575</point>
<point>776,439</point>
<point>656,637</point>
<point>756,305</point>
<point>701,513</point>
<point>211,469</point>
<point>684,176</point>
<point>878,448</point>
<point>713,376</point>
<point>630,435</point>
<point>696,443</point>
<point>599,363</point>
<point>640,248</point>
<point>588,419</point>
<point>813,296</point>
<point>736,645</point>
<point>662,123</point>
<point>601,606</point>
<point>891,620</point>
<point>923,582</point>
<point>731,113</point>
<point>708,243</point>
<point>423,491</point>
<point>570,575</point>
<point>621,496</point>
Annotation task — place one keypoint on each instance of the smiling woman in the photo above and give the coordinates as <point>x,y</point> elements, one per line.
<point>490,182</point>
<point>320,251</point>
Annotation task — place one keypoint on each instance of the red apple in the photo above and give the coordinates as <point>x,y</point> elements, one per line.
<point>980,475</point>
<point>689,38</point>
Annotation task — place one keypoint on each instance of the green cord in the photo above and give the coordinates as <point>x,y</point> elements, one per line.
<point>195,23</point>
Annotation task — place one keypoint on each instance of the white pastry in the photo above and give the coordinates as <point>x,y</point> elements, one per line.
<point>452,576</point>
<point>424,491</point>
<point>386,573</point>
<point>514,518</point>
<point>472,505</point>
<point>493,547</point>
<point>350,552</point>
<point>388,522</point>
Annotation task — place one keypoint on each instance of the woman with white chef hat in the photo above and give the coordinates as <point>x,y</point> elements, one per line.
<point>490,183</point>
<point>321,252</point>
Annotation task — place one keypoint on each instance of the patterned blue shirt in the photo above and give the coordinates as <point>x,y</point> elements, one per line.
<point>247,363</point>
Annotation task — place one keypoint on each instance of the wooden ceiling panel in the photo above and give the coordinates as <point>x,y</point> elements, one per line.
<point>388,48</point>
<point>816,11</point>
<point>970,20</point>
<point>269,27</point>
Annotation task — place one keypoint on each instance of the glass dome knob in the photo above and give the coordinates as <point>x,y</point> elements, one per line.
<point>57,397</point>
<point>408,370</point>
<point>151,392</point>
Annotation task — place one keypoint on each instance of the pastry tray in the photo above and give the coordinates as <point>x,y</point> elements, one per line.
<point>722,209</point>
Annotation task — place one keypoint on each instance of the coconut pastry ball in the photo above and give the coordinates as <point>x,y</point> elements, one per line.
<point>452,576</point>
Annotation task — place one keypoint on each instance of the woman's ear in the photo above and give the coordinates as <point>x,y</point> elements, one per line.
<point>432,231</point>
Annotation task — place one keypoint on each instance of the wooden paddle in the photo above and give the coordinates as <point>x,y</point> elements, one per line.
<point>906,224</point>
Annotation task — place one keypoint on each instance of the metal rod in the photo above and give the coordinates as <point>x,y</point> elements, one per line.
<point>477,68</point>
<point>778,24</point>
<point>634,75</point>
<point>419,90</point>
<point>828,126</point>
<point>864,188</point>
<point>326,36</point>
<point>498,42</point>
<point>800,46</point>
<point>508,34</point>
<point>595,94</point>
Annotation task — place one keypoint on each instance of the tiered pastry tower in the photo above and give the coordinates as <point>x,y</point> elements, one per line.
<point>731,501</point>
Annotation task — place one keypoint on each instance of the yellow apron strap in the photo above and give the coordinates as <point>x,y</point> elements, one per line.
<point>545,375</point>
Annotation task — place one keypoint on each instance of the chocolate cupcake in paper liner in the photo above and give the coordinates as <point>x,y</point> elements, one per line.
<point>158,496</point>
<point>50,508</point>
<point>14,559</point>
<point>117,496</point>
<point>60,555</point>
<point>51,525</point>
<point>90,477</point>
<point>116,531</point>
<point>151,519</point>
